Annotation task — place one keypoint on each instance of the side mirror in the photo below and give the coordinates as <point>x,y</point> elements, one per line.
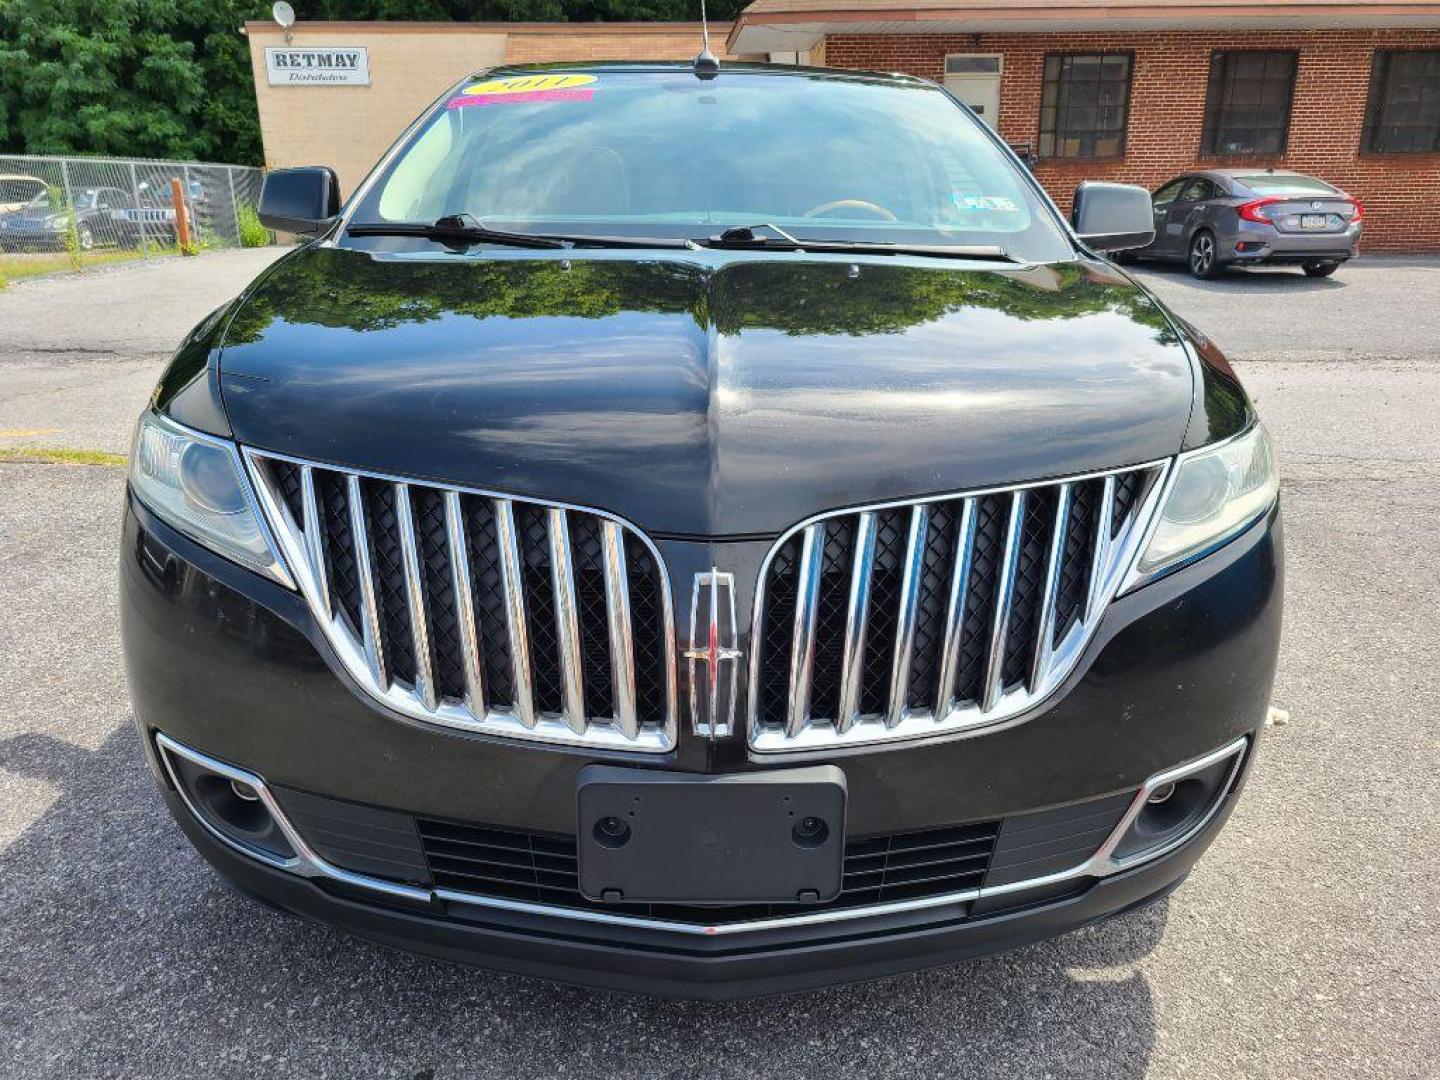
<point>1112,217</point>
<point>303,200</point>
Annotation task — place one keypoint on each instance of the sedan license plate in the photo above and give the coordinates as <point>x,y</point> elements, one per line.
<point>1314,221</point>
<point>657,837</point>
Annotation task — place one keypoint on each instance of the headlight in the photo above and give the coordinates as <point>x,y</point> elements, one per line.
<point>194,483</point>
<point>1216,492</point>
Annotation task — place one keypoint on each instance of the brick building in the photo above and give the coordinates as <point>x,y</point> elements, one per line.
<point>1139,90</point>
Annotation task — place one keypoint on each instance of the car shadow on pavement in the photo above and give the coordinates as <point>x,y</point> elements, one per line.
<point>124,955</point>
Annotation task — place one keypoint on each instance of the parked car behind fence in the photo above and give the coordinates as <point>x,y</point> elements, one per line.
<point>118,202</point>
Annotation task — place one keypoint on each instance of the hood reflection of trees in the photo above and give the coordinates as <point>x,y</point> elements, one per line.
<point>356,291</point>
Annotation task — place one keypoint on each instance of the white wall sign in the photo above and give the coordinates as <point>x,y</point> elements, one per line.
<point>337,66</point>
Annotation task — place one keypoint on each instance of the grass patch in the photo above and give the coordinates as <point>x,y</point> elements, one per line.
<point>47,455</point>
<point>15,267</point>
<point>252,232</point>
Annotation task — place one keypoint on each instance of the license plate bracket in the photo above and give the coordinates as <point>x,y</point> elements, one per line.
<point>767,837</point>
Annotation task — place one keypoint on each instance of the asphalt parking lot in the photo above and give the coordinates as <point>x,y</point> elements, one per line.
<point>1306,944</point>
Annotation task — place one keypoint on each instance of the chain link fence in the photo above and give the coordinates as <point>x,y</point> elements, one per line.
<point>105,209</point>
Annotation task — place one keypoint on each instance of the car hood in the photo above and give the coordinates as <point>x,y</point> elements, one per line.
<point>708,393</point>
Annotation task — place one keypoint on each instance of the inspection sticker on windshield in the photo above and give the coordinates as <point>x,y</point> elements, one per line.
<point>524,89</point>
<point>998,203</point>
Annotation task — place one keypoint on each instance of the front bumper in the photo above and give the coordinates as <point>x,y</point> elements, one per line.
<point>700,967</point>
<point>16,239</point>
<point>227,663</point>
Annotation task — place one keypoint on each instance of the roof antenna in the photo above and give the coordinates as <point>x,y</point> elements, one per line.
<point>705,65</point>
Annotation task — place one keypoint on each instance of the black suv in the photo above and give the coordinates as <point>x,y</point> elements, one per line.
<point>700,532</point>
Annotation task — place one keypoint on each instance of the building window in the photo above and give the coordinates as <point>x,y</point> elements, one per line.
<point>1085,105</point>
<point>1247,105</point>
<point>1402,115</point>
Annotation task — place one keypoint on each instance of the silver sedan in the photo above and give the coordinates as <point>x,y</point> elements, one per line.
<point>1239,217</point>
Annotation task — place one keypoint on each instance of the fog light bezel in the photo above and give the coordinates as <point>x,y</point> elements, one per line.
<point>228,775</point>
<point>1106,861</point>
<point>305,862</point>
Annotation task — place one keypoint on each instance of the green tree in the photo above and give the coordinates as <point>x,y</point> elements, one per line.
<point>172,78</point>
<point>157,78</point>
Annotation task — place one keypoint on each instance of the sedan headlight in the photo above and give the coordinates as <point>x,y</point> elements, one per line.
<point>1216,492</point>
<point>194,483</point>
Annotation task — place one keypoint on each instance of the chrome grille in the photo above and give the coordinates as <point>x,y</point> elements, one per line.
<point>937,615</point>
<point>479,611</point>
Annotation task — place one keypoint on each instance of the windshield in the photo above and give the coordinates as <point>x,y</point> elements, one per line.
<point>1266,184</point>
<point>667,154</point>
<point>85,200</point>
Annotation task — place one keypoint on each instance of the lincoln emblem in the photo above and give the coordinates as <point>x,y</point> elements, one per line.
<point>713,647</point>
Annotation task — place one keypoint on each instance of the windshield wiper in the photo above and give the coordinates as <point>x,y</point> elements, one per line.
<point>745,237</point>
<point>463,230</point>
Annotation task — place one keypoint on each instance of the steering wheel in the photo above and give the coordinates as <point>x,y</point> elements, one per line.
<point>851,204</point>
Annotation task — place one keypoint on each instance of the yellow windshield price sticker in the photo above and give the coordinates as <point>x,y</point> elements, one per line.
<point>524,90</point>
<point>526,84</point>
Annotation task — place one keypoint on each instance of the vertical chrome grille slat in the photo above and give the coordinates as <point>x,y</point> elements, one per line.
<point>464,604</point>
<point>856,614</point>
<point>415,598</point>
<point>995,666</point>
<point>802,650</point>
<point>1045,634</point>
<point>955,610</point>
<point>567,622</point>
<point>905,620</point>
<point>314,538</point>
<point>1100,561</point>
<point>513,585</point>
<point>622,641</point>
<point>370,606</point>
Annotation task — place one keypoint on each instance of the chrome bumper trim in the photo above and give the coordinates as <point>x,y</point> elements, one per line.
<point>308,864</point>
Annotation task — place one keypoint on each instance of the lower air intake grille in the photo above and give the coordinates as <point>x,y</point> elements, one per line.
<point>541,869</point>
<point>933,616</point>
<point>481,612</point>
<point>479,862</point>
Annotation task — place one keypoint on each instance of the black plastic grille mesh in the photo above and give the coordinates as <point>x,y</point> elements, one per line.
<point>778,630</point>
<point>428,507</point>
<point>1022,634</point>
<point>1077,556</point>
<point>892,531</point>
<point>340,562</point>
<point>931,604</point>
<point>992,516</point>
<point>1128,490</point>
<point>287,479</point>
<point>533,535</point>
<point>588,555</point>
<point>647,626</point>
<point>488,589</point>
<point>388,566</point>
<point>835,570</point>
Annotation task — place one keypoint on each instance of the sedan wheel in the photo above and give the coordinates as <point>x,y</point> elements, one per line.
<point>86,238</point>
<point>1203,263</point>
<point>1320,269</point>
